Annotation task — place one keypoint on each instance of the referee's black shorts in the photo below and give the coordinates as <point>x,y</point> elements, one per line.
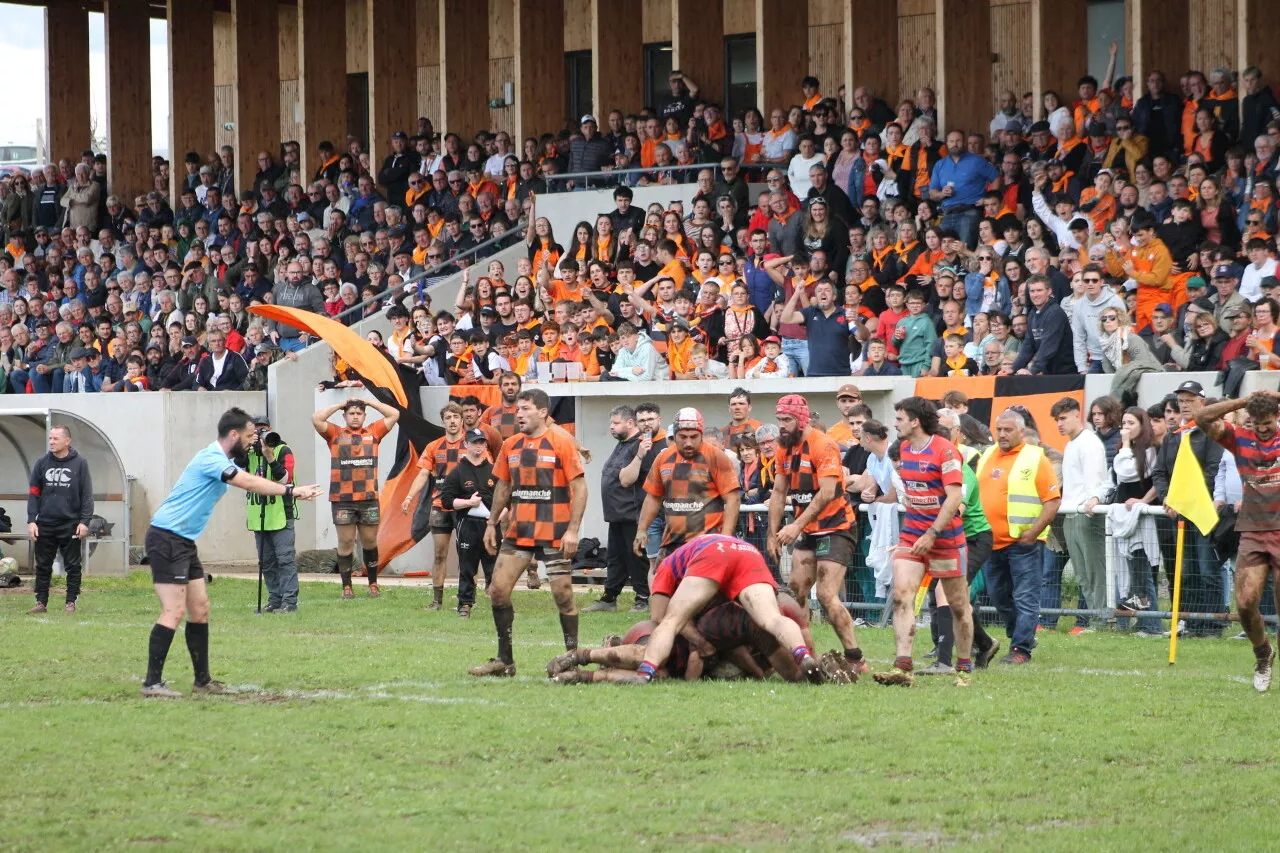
<point>173,558</point>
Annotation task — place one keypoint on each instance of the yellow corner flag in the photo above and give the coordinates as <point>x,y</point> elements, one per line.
<point>1187,491</point>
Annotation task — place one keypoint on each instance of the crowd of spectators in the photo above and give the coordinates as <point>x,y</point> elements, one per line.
<point>1129,231</point>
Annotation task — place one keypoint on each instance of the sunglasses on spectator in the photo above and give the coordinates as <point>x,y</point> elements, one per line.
<point>437,256</point>
<point>1094,280</point>
<point>415,183</point>
<point>1254,221</point>
<point>725,262</point>
<point>1109,318</point>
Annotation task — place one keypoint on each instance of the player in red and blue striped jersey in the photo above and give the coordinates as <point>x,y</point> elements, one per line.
<point>932,537</point>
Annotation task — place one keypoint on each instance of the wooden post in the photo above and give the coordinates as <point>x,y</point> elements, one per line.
<point>617,50</point>
<point>322,79</point>
<point>191,125</point>
<point>255,24</point>
<point>782,53</point>
<point>1257,22</point>
<point>128,48</point>
<point>1059,48</point>
<point>539,55</point>
<point>962,35</point>
<point>1159,36</point>
<point>66,50</point>
<point>870,51</point>
<point>697,46</point>
<point>393,97</point>
<point>464,69</point>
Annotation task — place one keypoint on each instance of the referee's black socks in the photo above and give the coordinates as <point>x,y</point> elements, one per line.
<point>198,645</point>
<point>157,651</point>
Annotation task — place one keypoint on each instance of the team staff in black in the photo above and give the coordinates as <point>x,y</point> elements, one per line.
<point>468,491</point>
<point>622,495</point>
<point>59,506</point>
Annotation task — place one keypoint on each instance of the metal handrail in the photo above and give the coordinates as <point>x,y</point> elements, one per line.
<point>604,174</point>
<point>425,274</point>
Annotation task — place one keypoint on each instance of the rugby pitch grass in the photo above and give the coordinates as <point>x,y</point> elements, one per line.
<point>359,730</point>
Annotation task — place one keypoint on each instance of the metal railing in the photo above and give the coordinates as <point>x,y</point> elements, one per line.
<point>358,309</point>
<point>607,178</point>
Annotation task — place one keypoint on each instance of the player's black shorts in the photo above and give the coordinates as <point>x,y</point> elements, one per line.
<point>834,547</point>
<point>173,558</point>
<point>441,522</point>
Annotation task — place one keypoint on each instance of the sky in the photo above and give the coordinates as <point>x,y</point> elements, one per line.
<point>22,45</point>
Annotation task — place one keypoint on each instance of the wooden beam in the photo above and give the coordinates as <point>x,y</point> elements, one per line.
<point>1257,22</point>
<point>393,99</point>
<point>1159,37</point>
<point>255,23</point>
<point>697,48</point>
<point>782,52</point>
<point>870,50</point>
<point>539,55</point>
<point>617,50</point>
<point>128,49</point>
<point>1059,48</point>
<point>962,37</point>
<point>464,69</point>
<point>322,79</point>
<point>190,86</point>
<point>66,36</point>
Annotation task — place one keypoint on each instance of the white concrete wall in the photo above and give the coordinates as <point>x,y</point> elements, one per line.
<point>156,435</point>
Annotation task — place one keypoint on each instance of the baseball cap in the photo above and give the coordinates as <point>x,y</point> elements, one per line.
<point>688,418</point>
<point>399,134</point>
<point>680,323</point>
<point>189,341</point>
<point>302,216</point>
<point>1191,387</point>
<point>1165,307</point>
<point>1038,127</point>
<point>1097,129</point>
<point>1226,271</point>
<point>772,339</point>
<point>489,310</point>
<point>1197,282</point>
<point>1269,281</point>
<point>261,420</point>
<point>474,435</point>
<point>848,390</point>
<point>154,346</point>
<point>130,306</point>
<point>263,348</point>
<point>79,352</point>
<point>192,265</point>
<point>588,118</point>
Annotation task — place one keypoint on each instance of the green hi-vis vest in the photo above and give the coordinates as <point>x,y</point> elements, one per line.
<point>1024,504</point>
<point>263,512</point>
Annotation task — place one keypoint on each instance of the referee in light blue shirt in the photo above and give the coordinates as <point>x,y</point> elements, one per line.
<point>176,571</point>
<point>957,184</point>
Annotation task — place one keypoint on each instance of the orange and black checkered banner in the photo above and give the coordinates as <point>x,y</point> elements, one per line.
<point>989,396</point>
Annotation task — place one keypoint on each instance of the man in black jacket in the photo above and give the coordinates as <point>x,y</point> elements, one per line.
<point>1201,570</point>
<point>589,153</point>
<point>1046,349</point>
<point>221,369</point>
<point>396,168</point>
<point>182,374</point>
<point>1158,116</point>
<point>59,506</point>
<point>468,492</point>
<point>622,494</point>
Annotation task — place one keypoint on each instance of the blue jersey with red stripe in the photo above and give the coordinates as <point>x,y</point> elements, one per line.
<point>925,475</point>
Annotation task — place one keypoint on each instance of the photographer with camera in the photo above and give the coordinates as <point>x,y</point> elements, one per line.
<point>271,519</point>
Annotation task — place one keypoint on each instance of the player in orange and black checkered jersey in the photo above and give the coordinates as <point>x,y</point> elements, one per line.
<point>540,476</point>
<point>353,481</point>
<point>503,417</point>
<point>438,459</point>
<point>810,476</point>
<point>694,484</point>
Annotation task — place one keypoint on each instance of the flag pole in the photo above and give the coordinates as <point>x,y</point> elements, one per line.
<point>1177,592</point>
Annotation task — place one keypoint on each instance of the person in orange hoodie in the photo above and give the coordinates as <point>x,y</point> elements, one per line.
<point>1149,263</point>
